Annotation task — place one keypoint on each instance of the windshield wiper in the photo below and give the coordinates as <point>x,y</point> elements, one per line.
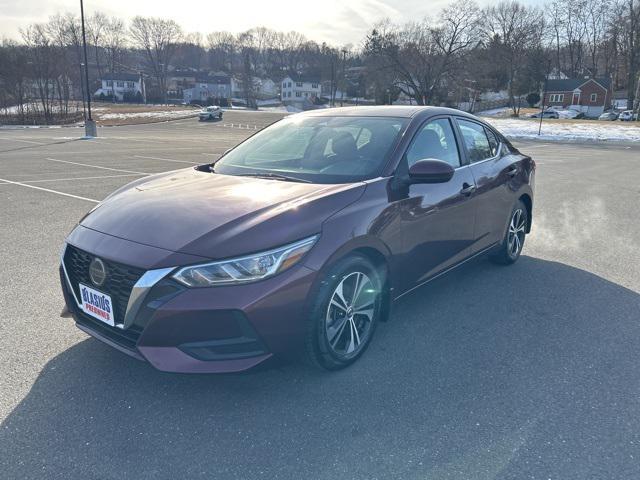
<point>274,176</point>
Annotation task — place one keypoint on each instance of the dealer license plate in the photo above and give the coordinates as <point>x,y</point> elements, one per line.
<point>97,304</point>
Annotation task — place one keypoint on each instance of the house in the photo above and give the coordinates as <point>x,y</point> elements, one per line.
<point>211,86</point>
<point>180,79</point>
<point>266,88</point>
<point>295,89</point>
<point>121,85</point>
<point>591,96</point>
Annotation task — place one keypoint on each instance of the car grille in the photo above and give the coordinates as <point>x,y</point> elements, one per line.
<point>118,284</point>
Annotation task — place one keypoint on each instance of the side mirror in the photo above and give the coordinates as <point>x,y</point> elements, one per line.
<point>430,170</point>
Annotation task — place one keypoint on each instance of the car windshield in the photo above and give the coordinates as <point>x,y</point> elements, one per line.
<point>320,149</point>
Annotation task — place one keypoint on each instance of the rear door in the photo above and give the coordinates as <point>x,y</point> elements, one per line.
<point>493,168</point>
<point>437,219</point>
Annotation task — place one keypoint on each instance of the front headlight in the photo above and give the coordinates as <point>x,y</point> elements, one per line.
<point>245,269</point>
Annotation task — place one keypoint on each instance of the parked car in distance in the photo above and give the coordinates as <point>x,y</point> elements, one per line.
<point>610,115</point>
<point>627,116</point>
<point>546,114</point>
<point>296,241</point>
<point>210,113</point>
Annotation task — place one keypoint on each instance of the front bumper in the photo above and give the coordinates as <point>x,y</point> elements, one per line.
<point>204,330</point>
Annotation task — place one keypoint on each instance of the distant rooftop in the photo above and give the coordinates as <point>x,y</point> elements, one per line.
<point>303,78</point>
<point>130,77</point>
<point>569,84</point>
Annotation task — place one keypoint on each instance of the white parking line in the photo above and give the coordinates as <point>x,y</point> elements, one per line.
<point>165,159</point>
<point>50,191</point>
<point>18,140</point>
<point>96,166</point>
<point>82,178</point>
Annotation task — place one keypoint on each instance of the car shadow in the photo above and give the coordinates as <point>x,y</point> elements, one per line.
<point>529,371</point>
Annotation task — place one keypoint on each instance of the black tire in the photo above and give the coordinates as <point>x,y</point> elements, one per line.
<point>510,249</point>
<point>327,319</point>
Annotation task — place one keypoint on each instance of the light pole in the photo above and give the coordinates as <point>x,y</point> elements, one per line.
<point>89,125</point>
<point>344,77</point>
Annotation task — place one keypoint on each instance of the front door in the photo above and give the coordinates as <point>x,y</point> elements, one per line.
<point>576,99</point>
<point>437,219</point>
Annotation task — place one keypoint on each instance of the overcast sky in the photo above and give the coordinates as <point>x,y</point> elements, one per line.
<point>337,22</point>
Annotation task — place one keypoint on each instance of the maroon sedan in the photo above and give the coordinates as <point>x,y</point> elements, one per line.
<point>297,240</point>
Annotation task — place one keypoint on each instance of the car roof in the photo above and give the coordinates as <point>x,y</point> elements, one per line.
<point>406,111</point>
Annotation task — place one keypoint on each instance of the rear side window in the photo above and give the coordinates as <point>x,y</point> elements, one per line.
<point>493,142</point>
<point>435,140</point>
<point>476,141</point>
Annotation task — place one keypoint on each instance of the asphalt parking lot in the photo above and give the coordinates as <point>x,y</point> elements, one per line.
<point>522,372</point>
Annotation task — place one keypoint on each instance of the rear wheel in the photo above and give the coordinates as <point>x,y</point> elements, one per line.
<point>511,247</point>
<point>345,313</point>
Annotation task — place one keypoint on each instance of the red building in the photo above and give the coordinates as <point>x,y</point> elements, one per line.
<point>592,96</point>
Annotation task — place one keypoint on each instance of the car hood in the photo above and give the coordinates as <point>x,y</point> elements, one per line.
<point>218,216</point>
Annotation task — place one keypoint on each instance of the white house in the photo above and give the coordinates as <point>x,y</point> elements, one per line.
<point>121,84</point>
<point>212,86</point>
<point>296,89</point>
<point>267,88</point>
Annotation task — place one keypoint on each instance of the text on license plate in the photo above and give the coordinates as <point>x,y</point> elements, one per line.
<point>97,304</point>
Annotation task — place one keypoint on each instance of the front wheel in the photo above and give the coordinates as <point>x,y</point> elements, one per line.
<point>511,247</point>
<point>344,314</point>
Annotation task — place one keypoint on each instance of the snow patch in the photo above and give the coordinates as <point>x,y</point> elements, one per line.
<point>158,114</point>
<point>567,132</point>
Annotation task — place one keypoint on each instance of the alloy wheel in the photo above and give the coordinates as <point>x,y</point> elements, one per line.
<point>516,234</point>
<point>350,314</point>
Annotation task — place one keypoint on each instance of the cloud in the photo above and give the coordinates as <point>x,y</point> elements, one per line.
<point>337,22</point>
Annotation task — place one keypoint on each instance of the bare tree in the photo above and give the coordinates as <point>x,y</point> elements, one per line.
<point>248,47</point>
<point>631,39</point>
<point>422,54</point>
<point>13,58</point>
<point>222,48</point>
<point>96,25</point>
<point>157,38</point>
<point>115,41</point>
<point>514,31</point>
<point>597,19</point>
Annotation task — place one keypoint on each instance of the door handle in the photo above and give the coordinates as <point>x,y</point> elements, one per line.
<point>513,171</point>
<point>467,189</point>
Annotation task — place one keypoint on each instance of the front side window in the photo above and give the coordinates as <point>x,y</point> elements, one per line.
<point>476,141</point>
<point>435,140</point>
<point>298,84</point>
<point>594,97</point>
<point>319,149</point>
<point>120,84</point>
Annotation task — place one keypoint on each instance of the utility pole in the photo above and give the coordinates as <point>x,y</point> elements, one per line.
<point>89,125</point>
<point>544,94</point>
<point>333,79</point>
<point>344,77</point>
